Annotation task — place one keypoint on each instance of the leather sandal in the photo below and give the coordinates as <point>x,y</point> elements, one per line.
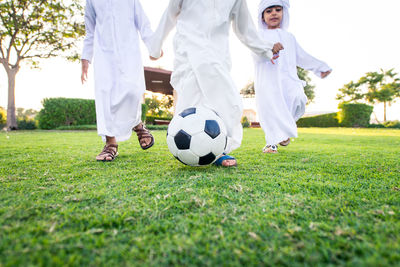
<point>109,153</point>
<point>285,143</point>
<point>143,134</point>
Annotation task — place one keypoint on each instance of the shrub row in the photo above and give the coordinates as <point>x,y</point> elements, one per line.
<point>326,120</point>
<point>350,115</point>
<point>58,112</point>
<point>354,115</point>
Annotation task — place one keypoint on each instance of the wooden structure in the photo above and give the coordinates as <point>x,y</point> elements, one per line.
<point>158,81</point>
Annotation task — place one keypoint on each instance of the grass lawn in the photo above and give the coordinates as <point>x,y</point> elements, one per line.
<point>331,198</point>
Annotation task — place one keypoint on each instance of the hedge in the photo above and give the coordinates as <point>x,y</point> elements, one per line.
<point>3,118</point>
<point>26,124</point>
<point>58,112</point>
<point>326,120</point>
<point>354,114</point>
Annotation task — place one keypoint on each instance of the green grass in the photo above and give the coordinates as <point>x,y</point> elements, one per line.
<point>331,198</point>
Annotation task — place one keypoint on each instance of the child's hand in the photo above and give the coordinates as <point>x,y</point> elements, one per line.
<point>85,68</point>
<point>155,58</point>
<point>325,74</point>
<point>275,57</point>
<point>277,47</point>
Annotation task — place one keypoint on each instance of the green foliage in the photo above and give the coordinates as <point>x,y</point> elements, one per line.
<point>26,124</point>
<point>249,91</point>
<point>354,115</point>
<point>331,198</point>
<point>26,113</point>
<point>33,29</point>
<point>374,87</point>
<point>245,122</point>
<point>3,117</point>
<point>325,120</point>
<point>145,108</point>
<point>159,106</point>
<point>392,124</point>
<point>309,87</point>
<point>65,112</point>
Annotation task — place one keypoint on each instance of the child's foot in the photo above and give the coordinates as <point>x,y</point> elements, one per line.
<point>146,140</point>
<point>109,153</point>
<point>285,143</point>
<point>270,149</point>
<point>226,161</point>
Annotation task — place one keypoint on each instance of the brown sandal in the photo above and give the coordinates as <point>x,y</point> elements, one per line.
<point>142,134</point>
<point>109,151</point>
<point>285,143</point>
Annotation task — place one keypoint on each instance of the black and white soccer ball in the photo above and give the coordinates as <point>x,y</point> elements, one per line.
<point>197,136</point>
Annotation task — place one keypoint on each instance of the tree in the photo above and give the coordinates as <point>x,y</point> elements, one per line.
<point>249,92</point>
<point>36,29</point>
<point>374,87</point>
<point>159,106</point>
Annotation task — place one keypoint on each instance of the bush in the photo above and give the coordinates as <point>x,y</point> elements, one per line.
<point>66,112</point>
<point>245,122</point>
<point>26,124</point>
<point>392,124</point>
<point>3,117</point>
<point>145,108</point>
<point>354,115</point>
<point>326,120</point>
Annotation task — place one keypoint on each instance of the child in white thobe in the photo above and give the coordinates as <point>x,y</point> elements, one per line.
<point>201,74</point>
<point>280,96</point>
<point>112,40</point>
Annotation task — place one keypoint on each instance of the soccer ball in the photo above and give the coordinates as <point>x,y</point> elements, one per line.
<point>197,136</point>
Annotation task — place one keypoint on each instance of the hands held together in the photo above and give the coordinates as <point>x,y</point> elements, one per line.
<point>275,50</point>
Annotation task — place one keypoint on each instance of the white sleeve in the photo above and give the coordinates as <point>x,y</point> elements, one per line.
<point>167,23</point>
<point>90,25</point>
<point>245,30</point>
<point>143,24</point>
<point>308,62</point>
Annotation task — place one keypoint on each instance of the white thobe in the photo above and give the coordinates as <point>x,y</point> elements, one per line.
<point>112,39</point>
<point>201,74</point>
<point>280,96</point>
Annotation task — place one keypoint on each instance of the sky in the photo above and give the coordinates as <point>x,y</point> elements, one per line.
<point>353,37</point>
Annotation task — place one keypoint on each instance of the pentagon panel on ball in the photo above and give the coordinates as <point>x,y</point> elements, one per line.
<point>197,136</point>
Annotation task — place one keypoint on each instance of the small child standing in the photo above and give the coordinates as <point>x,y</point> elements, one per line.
<point>280,96</point>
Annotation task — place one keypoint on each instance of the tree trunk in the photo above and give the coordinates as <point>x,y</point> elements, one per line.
<point>384,111</point>
<point>11,117</point>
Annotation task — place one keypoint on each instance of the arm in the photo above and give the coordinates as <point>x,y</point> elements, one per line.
<point>90,25</point>
<point>167,23</point>
<point>143,24</point>
<point>245,30</point>
<point>308,62</point>
<point>87,53</point>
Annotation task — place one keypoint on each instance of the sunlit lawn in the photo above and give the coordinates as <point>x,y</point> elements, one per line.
<point>331,198</point>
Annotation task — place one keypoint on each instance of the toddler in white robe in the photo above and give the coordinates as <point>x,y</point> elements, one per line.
<point>280,96</point>
<point>112,39</point>
<point>201,74</point>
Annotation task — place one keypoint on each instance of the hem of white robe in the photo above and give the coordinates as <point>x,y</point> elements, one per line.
<point>282,138</point>
<point>118,137</point>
